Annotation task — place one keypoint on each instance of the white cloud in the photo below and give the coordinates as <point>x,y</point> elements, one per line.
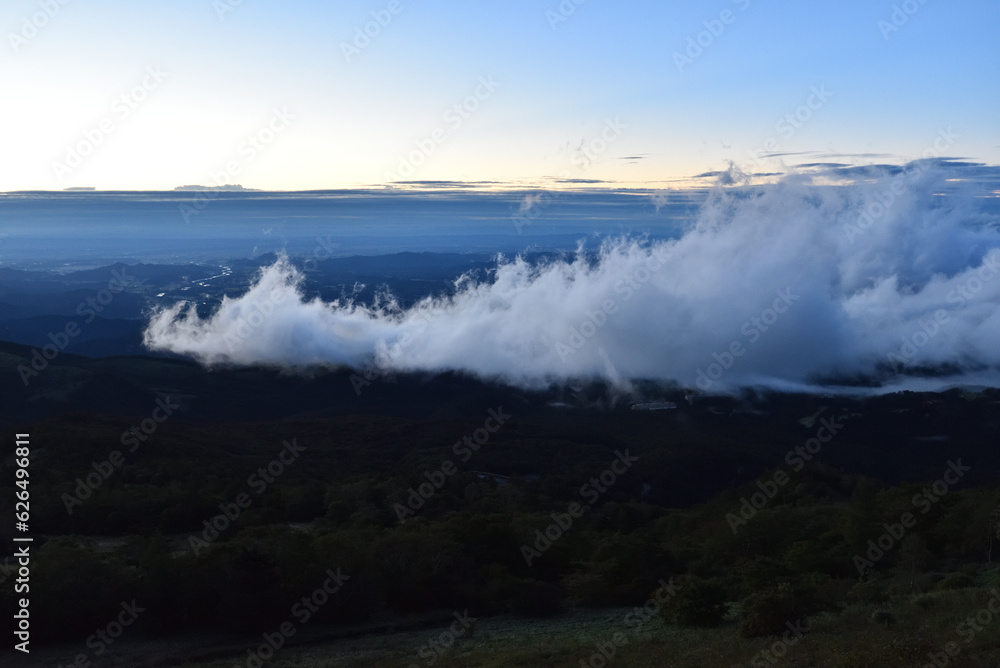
<point>773,273</point>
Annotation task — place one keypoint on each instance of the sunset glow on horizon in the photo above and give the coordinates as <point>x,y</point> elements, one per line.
<point>303,95</point>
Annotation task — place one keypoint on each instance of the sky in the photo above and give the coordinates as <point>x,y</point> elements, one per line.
<point>296,96</point>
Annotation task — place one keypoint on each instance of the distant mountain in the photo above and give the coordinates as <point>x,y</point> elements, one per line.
<point>234,186</point>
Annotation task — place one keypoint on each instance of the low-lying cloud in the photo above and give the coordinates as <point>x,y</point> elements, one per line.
<point>782,284</point>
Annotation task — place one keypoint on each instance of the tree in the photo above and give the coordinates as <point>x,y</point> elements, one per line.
<point>913,557</point>
<point>697,603</point>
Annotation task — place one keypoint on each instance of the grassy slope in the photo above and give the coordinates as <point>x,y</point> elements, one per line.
<point>849,639</point>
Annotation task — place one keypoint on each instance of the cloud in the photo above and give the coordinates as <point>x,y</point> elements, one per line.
<point>783,284</point>
<point>783,154</point>
<point>529,202</point>
<point>660,199</point>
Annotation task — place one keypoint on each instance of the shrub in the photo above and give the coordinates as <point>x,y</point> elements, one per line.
<point>768,612</point>
<point>538,599</point>
<point>956,581</point>
<point>697,603</point>
<point>869,591</point>
<point>883,617</point>
<point>758,573</point>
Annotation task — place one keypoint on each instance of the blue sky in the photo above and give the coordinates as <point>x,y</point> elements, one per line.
<point>200,77</point>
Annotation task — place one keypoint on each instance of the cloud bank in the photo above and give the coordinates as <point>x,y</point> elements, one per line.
<point>785,284</point>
